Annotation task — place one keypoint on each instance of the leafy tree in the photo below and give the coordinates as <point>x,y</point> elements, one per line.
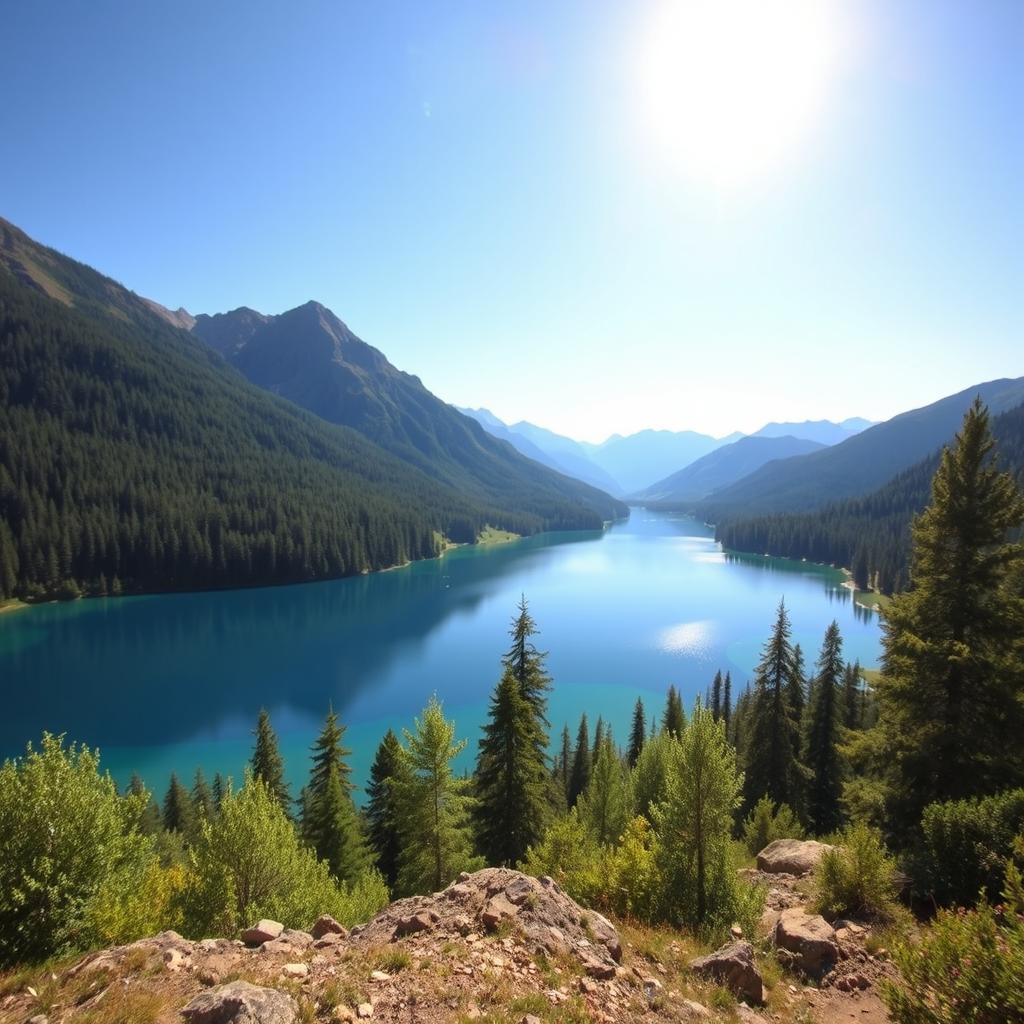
<point>772,745</point>
<point>330,823</point>
<point>267,763</point>
<point>673,720</point>
<point>694,826</point>
<point>821,748</point>
<point>434,807</point>
<point>638,733</point>
<point>766,823</point>
<point>605,807</point>
<point>649,777</point>
<point>178,813</point>
<point>386,774</point>
<point>949,697</point>
<point>580,777</point>
<point>65,836</point>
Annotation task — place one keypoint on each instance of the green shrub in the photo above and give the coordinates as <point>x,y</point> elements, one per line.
<point>68,843</point>
<point>766,823</point>
<point>570,854</point>
<point>633,881</point>
<point>857,877</point>
<point>965,845</point>
<point>968,967</point>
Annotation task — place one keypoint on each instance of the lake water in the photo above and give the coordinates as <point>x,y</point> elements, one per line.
<point>169,682</point>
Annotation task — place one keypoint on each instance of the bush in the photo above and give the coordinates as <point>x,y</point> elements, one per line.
<point>857,877</point>
<point>570,854</point>
<point>766,823</point>
<point>248,863</point>
<point>70,853</point>
<point>968,968</point>
<point>965,845</point>
<point>634,884</point>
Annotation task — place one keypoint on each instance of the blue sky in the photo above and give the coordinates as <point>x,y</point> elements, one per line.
<point>509,202</point>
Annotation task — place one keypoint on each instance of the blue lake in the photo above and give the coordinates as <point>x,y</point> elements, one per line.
<point>171,682</point>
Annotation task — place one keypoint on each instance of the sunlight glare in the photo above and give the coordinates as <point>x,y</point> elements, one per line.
<point>730,88</point>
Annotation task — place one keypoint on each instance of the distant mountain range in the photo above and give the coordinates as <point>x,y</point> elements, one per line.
<point>632,465</point>
<point>133,456</point>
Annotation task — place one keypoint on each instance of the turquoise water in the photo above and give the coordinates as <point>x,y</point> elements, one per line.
<point>169,682</point>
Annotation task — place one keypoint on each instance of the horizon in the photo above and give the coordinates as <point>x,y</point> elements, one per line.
<point>546,212</point>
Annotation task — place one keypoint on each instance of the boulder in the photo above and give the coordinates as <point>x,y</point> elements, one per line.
<point>262,931</point>
<point>326,925</point>
<point>809,937</point>
<point>791,856</point>
<point>297,939</point>
<point>413,923</point>
<point>241,1003</point>
<point>733,966</point>
<point>498,909</point>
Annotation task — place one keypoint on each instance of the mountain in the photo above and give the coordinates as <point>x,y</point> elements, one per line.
<point>133,456</point>
<point>823,431</point>
<point>310,357</point>
<point>562,457</point>
<point>870,534</point>
<point>724,466</point>
<point>859,464</point>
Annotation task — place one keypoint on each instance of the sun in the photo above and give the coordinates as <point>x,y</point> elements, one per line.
<point>730,89</point>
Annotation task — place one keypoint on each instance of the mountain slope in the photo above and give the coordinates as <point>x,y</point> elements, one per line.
<point>823,431</point>
<point>871,534</point>
<point>640,459</point>
<point>310,357</point>
<point>724,466</point>
<point>859,464</point>
<point>133,456</point>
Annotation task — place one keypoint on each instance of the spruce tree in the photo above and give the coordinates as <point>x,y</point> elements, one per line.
<point>674,718</point>
<point>267,764</point>
<point>638,733</point>
<point>798,686</point>
<point>330,823</point>
<point>772,740</point>
<point>949,697</point>
<point>433,807</point>
<point>178,816</point>
<point>565,761</point>
<point>580,776</point>
<point>150,820</point>
<point>727,701</point>
<point>604,807</point>
<point>821,750</point>
<point>715,703</point>
<point>598,740</point>
<point>852,700</point>
<point>526,664</point>
<point>387,772</point>
<point>202,797</point>
<point>219,790</point>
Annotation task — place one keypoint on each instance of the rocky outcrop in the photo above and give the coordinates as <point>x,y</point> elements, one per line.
<point>733,966</point>
<point>808,938</point>
<point>487,901</point>
<point>791,856</point>
<point>241,1003</point>
<point>262,931</point>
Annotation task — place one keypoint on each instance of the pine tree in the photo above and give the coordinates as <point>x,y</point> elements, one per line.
<point>674,718</point>
<point>202,797</point>
<point>852,700</point>
<point>727,701</point>
<point>821,751</point>
<point>638,733</point>
<point>715,703</point>
<point>387,773</point>
<point>330,823</point>
<point>526,664</point>
<point>150,820</point>
<point>949,696</point>
<point>580,777</point>
<point>433,807</point>
<point>772,742</point>
<point>598,739</point>
<point>798,686</point>
<point>219,790</point>
<point>178,816</point>
<point>511,783</point>
<point>565,761</point>
<point>267,764</point>
<point>604,807</point>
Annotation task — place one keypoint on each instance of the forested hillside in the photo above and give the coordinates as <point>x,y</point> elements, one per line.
<point>871,534</point>
<point>133,458</point>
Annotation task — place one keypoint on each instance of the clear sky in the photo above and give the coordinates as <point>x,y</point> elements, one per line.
<point>598,216</point>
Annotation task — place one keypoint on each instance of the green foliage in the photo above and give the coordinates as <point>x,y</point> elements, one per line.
<point>579,777</point>
<point>178,813</point>
<point>694,825</point>
<point>673,719</point>
<point>267,765</point>
<point>950,713</point>
<point>649,778</point>
<point>570,854</point>
<point>388,770</point>
<point>633,883</point>
<point>766,823</point>
<point>434,807</point>
<point>637,733</point>
<point>248,863</point>
<point>968,967</point>
<point>821,744</point>
<point>858,877</point>
<point>965,845</point>
<point>69,844</point>
<point>605,807</point>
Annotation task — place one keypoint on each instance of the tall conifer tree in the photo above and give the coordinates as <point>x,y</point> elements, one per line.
<point>387,773</point>
<point>727,701</point>
<point>638,733</point>
<point>715,703</point>
<point>267,764</point>
<point>674,718</point>
<point>178,814</point>
<point>580,776</point>
<point>821,748</point>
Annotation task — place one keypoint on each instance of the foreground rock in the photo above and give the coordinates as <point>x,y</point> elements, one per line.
<point>241,1003</point>
<point>494,899</point>
<point>809,939</point>
<point>791,856</point>
<point>262,931</point>
<point>733,966</point>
